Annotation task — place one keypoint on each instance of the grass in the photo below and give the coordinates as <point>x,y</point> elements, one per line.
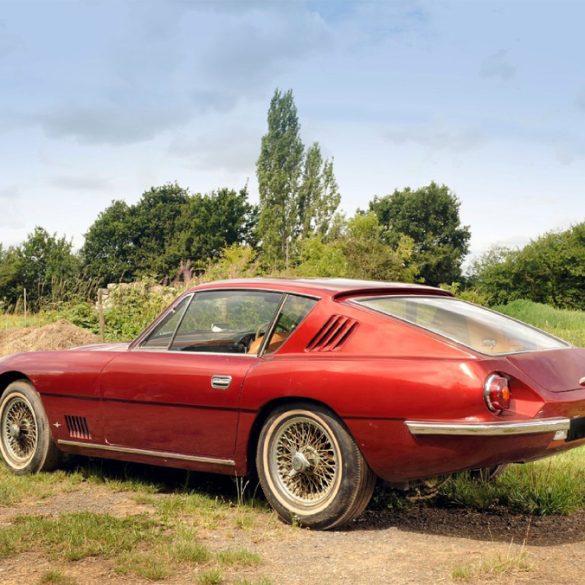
<point>493,567</point>
<point>568,325</point>
<point>15,488</point>
<point>76,536</point>
<point>550,486</point>
<point>56,577</point>
<point>155,545</point>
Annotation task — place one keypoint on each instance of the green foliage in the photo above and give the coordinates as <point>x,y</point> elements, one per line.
<point>133,307</point>
<point>236,261</point>
<point>298,191</point>
<point>318,197</point>
<point>430,217</point>
<point>550,270</point>
<point>166,227</point>
<point>358,252</point>
<point>279,169</point>
<point>551,486</point>
<point>44,265</point>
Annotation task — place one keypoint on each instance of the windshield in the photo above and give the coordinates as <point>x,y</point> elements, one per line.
<point>470,325</point>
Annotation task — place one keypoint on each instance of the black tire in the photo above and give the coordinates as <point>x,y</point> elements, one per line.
<point>26,444</point>
<point>310,469</point>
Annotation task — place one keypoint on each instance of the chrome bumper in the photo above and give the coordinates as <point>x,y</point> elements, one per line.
<point>559,426</point>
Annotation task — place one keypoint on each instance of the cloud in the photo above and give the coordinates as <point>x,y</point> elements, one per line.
<point>71,183</point>
<point>437,137</point>
<point>580,100</point>
<point>9,192</point>
<point>110,124</point>
<point>231,148</point>
<point>497,66</point>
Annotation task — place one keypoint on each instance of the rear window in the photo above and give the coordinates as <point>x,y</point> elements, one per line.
<point>470,325</point>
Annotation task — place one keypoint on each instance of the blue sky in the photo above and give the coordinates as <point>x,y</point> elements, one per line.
<point>101,100</point>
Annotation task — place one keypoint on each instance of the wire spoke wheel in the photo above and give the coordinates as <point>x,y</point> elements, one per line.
<point>304,461</point>
<point>19,431</point>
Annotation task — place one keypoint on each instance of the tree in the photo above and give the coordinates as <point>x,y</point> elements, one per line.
<point>430,216</point>
<point>108,252</point>
<point>550,269</point>
<point>43,264</point>
<point>358,252</point>
<point>278,169</point>
<point>318,197</point>
<point>168,227</point>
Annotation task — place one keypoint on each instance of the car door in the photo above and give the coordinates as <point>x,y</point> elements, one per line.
<point>179,391</point>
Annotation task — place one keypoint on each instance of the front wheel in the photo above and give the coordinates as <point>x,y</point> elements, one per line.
<point>310,469</point>
<point>25,438</point>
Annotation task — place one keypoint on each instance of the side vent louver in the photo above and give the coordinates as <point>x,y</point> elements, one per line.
<point>77,427</point>
<point>333,334</point>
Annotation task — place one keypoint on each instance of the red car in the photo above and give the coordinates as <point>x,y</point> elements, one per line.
<point>319,386</point>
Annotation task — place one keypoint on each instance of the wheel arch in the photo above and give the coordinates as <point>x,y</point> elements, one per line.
<point>12,376</point>
<point>263,415</point>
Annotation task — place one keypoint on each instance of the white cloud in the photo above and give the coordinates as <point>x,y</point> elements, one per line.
<point>497,66</point>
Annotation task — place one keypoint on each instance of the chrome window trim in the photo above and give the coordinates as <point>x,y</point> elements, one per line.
<point>488,429</point>
<point>356,301</point>
<point>148,453</point>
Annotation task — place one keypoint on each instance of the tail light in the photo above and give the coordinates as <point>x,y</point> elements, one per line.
<point>496,393</point>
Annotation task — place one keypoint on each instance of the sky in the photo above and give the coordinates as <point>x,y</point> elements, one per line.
<point>100,100</point>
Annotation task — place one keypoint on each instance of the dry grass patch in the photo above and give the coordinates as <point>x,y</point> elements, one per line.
<point>494,567</point>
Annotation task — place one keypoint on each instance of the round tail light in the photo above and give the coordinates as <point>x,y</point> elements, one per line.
<point>496,393</point>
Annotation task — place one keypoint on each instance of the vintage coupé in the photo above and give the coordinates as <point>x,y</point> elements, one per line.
<point>318,386</point>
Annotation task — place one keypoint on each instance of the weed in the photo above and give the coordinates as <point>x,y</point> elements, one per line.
<point>211,577</point>
<point>56,577</point>
<point>239,557</point>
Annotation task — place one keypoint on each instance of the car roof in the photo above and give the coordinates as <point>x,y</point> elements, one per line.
<point>332,287</point>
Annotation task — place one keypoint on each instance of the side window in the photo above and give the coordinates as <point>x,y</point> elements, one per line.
<point>161,337</point>
<point>294,310</point>
<point>226,321</point>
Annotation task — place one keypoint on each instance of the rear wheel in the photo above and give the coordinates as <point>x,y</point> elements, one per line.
<point>25,437</point>
<point>310,469</point>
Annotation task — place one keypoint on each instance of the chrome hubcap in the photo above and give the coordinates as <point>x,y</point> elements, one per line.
<point>304,461</point>
<point>19,431</point>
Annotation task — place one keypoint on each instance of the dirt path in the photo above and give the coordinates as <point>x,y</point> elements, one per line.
<point>422,545</point>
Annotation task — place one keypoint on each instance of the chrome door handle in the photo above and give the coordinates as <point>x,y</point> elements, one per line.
<point>220,382</point>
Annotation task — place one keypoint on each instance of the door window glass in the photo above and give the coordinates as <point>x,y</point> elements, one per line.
<point>161,336</point>
<point>294,310</point>
<point>226,321</point>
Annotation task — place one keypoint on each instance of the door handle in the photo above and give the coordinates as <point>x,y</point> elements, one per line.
<point>220,382</point>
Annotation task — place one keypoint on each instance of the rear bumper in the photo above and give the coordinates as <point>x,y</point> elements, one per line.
<point>559,426</point>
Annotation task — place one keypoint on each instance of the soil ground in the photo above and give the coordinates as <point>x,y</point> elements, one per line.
<point>419,545</point>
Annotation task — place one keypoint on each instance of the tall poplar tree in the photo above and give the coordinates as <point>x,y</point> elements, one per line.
<point>279,170</point>
<point>319,196</point>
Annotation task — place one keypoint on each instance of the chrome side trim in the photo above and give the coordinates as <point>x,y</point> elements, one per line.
<point>160,454</point>
<point>495,429</point>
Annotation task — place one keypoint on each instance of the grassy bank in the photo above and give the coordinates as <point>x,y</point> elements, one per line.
<point>568,325</point>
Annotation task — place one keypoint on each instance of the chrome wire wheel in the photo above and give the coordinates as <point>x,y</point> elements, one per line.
<point>304,461</point>
<point>19,431</point>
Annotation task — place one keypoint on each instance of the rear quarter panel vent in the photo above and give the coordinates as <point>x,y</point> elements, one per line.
<point>333,334</point>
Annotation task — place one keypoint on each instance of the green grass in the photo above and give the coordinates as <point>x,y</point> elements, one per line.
<point>76,536</point>
<point>15,488</point>
<point>555,485</point>
<point>56,577</point>
<point>12,321</point>
<point>568,325</point>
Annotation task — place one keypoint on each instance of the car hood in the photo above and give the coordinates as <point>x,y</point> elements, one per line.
<point>557,370</point>
<point>102,347</point>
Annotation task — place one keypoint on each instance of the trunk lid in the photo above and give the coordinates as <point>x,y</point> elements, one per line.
<point>556,370</point>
